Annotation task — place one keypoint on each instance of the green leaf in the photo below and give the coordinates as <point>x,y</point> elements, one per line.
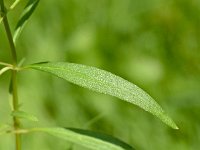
<point>88,139</point>
<point>14,4</point>
<point>24,115</point>
<point>105,82</point>
<point>28,10</point>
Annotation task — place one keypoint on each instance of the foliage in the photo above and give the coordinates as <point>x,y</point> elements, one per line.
<point>144,43</point>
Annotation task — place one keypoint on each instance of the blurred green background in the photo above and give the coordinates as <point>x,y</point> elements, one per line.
<point>154,44</point>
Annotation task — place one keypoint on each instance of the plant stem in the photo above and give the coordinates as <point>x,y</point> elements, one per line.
<point>8,32</point>
<point>14,74</point>
<point>15,108</point>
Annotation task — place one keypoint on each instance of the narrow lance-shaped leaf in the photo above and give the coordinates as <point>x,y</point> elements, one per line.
<point>28,10</point>
<point>105,82</point>
<point>85,138</point>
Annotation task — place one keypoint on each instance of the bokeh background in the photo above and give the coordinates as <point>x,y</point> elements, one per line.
<point>154,44</point>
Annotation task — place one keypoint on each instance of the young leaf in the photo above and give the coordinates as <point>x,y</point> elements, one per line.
<point>24,115</point>
<point>105,82</point>
<point>28,10</point>
<point>88,139</point>
<point>14,4</point>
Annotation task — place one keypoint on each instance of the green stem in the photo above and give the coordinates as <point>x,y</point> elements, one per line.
<point>14,74</point>
<point>10,39</point>
<point>15,108</point>
<point>8,32</point>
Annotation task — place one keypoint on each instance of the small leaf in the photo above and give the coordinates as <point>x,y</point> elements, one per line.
<point>28,10</point>
<point>14,4</point>
<point>24,115</point>
<point>105,82</point>
<point>88,139</point>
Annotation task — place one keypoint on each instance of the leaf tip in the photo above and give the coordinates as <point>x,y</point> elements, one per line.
<point>167,120</point>
<point>176,127</point>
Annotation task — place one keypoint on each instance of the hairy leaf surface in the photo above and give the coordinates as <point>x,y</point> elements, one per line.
<point>105,82</point>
